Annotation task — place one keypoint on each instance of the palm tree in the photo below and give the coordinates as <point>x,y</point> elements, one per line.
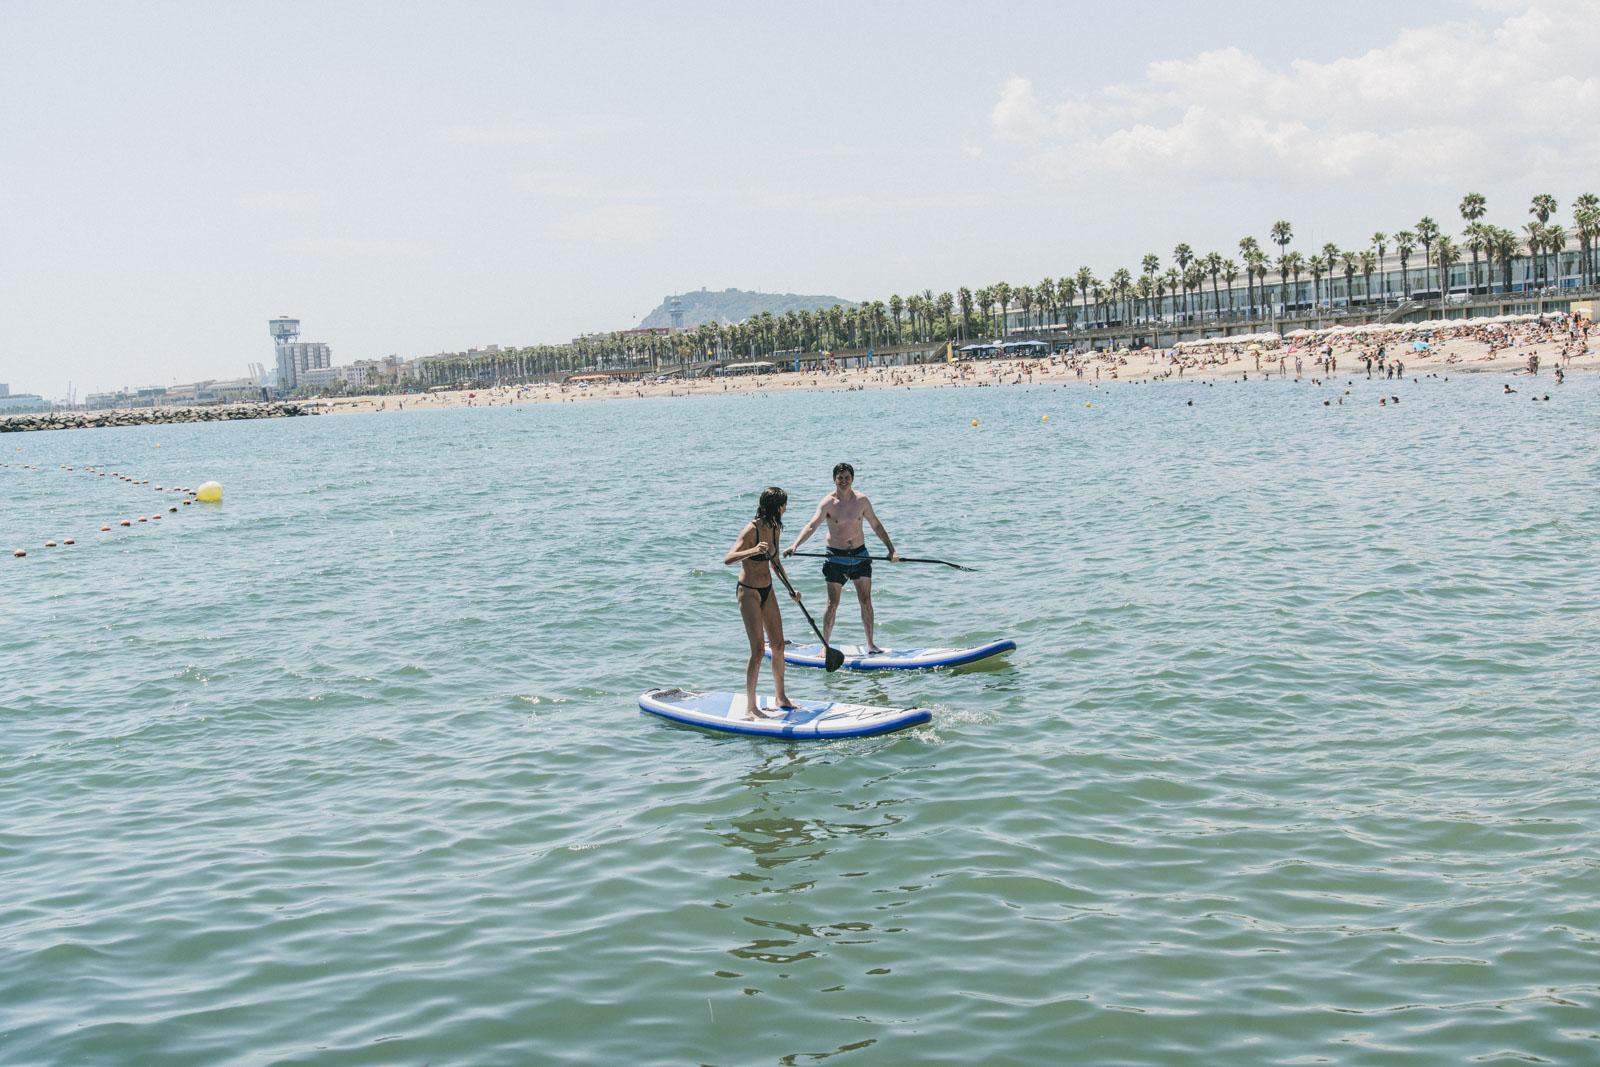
<point>1427,233</point>
<point>1213,267</point>
<point>1148,266</point>
<point>1183,255</point>
<point>1473,207</point>
<point>1379,245</point>
<point>1500,247</point>
<point>1348,261</point>
<point>1255,262</point>
<point>1555,242</point>
<point>1045,296</point>
<point>1474,236</point>
<point>1369,264</point>
<point>1004,295</point>
<point>1066,289</point>
<point>946,306</point>
<point>1317,265</point>
<point>1405,242</point>
<point>1171,280</point>
<point>1543,206</point>
<point>897,307</point>
<point>1535,240</point>
<point>1230,273</point>
<point>1024,298</point>
<point>1121,287</point>
<point>1194,280</point>
<point>1586,222</point>
<point>1282,234</point>
<point>1248,249</point>
<point>1446,255</point>
<point>1087,284</point>
<point>964,298</point>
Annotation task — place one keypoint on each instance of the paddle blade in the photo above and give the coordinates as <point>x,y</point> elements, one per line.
<point>833,659</point>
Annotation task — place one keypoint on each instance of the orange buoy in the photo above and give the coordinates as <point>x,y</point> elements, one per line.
<point>143,519</point>
<point>155,518</point>
<point>49,544</point>
<point>69,541</point>
<point>19,553</point>
<point>105,529</point>
<point>124,522</point>
<point>172,508</point>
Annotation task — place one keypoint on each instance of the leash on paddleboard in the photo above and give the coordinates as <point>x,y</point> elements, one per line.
<point>844,561</point>
<point>832,658</point>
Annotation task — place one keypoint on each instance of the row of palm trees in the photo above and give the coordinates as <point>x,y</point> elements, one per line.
<point>1180,291</point>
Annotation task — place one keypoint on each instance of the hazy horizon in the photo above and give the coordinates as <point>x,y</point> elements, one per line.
<point>419,179</point>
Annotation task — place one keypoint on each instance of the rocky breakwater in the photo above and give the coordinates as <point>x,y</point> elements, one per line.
<point>79,420</point>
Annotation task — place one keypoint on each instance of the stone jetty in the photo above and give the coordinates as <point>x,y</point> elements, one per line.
<point>78,420</point>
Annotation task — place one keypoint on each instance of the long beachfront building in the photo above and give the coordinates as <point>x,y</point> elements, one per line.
<point>1402,290</point>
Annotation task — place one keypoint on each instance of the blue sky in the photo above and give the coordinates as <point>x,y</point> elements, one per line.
<point>412,178</point>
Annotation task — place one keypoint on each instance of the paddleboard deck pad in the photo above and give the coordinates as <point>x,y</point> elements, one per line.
<point>857,658</point>
<point>809,720</point>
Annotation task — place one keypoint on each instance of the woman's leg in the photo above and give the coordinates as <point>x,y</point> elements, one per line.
<point>774,621</point>
<point>750,612</point>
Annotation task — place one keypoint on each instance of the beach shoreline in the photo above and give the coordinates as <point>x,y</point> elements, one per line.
<point>1239,359</point>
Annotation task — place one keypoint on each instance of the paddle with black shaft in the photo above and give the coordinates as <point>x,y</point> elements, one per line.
<point>832,658</point>
<point>846,560</point>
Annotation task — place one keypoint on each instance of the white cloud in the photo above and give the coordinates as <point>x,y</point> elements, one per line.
<point>620,223</point>
<point>516,133</point>
<point>1433,99</point>
<point>353,248</point>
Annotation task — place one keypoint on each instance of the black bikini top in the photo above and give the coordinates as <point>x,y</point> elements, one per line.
<point>764,557</point>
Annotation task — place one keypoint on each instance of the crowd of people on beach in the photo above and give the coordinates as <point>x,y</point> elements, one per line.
<point>1520,345</point>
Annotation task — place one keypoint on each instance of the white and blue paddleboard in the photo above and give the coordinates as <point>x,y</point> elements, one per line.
<point>857,658</point>
<point>809,720</point>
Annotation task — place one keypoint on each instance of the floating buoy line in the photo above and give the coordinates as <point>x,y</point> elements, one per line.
<point>207,493</point>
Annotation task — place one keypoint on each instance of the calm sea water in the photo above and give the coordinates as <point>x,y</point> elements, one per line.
<point>1297,760</point>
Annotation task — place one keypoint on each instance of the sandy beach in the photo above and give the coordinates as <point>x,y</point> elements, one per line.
<point>1421,349</point>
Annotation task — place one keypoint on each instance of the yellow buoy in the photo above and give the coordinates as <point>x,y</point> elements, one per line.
<point>1044,418</point>
<point>209,493</point>
<point>974,422</point>
<point>1088,404</point>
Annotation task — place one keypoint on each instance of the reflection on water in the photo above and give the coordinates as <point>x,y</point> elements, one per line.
<point>787,854</point>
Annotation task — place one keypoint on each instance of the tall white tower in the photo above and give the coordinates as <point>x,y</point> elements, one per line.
<point>284,331</point>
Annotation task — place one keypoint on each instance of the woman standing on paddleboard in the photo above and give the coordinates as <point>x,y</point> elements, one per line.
<point>755,550</point>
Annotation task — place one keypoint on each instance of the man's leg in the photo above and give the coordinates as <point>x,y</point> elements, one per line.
<point>834,589</point>
<point>864,594</point>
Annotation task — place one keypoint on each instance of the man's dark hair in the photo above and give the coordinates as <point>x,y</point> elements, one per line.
<point>843,468</point>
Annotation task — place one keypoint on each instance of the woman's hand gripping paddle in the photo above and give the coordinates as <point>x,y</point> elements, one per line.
<point>832,658</point>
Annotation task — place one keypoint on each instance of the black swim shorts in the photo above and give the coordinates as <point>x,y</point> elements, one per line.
<point>846,565</point>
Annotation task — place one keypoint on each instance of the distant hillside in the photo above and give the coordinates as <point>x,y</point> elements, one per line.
<point>735,305</point>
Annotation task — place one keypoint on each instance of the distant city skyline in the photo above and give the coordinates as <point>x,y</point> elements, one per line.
<point>453,178</point>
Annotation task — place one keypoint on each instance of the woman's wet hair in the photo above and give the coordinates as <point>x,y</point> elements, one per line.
<point>772,501</point>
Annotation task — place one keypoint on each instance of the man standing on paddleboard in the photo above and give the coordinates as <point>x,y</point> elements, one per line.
<point>845,510</point>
